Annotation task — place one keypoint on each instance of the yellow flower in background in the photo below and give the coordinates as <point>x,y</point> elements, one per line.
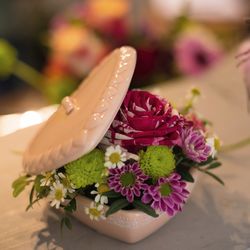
<point>76,47</point>
<point>111,9</point>
<point>68,38</point>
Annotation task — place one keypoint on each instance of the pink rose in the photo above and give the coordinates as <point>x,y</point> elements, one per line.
<point>144,119</point>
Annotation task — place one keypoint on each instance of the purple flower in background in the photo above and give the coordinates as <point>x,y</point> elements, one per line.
<point>167,195</point>
<point>143,120</point>
<point>127,180</point>
<point>193,55</point>
<point>194,144</point>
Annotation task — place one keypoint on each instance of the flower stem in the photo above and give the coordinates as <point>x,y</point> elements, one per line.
<point>29,75</point>
<point>236,145</point>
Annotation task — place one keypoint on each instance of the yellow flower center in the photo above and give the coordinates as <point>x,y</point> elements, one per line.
<point>128,179</point>
<point>48,175</point>
<point>95,212</point>
<point>115,157</point>
<point>66,183</point>
<point>217,144</point>
<point>103,188</point>
<point>58,194</point>
<point>165,189</point>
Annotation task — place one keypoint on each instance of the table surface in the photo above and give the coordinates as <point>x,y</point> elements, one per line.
<point>215,217</point>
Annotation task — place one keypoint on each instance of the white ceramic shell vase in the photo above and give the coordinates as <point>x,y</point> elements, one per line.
<point>129,226</point>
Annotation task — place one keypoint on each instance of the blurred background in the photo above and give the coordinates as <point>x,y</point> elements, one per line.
<point>47,47</point>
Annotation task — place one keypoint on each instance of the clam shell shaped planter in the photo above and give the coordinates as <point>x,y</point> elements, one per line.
<point>129,226</point>
<point>78,126</point>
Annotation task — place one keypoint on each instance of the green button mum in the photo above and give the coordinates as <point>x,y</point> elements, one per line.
<point>86,170</point>
<point>157,161</point>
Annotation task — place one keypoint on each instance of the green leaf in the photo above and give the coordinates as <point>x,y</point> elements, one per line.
<point>19,180</point>
<point>186,176</point>
<point>208,161</point>
<point>178,161</point>
<point>37,183</point>
<point>71,206</point>
<point>214,165</point>
<point>67,223</point>
<point>18,189</point>
<point>116,206</point>
<point>213,176</point>
<point>44,191</point>
<point>145,208</point>
<point>19,185</point>
<point>31,194</point>
<point>112,194</point>
<point>32,203</point>
<point>186,164</point>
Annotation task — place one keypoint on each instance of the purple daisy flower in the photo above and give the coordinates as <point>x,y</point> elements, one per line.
<point>167,195</point>
<point>194,144</point>
<point>127,180</point>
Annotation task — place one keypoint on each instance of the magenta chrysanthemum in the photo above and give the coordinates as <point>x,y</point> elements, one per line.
<point>194,145</point>
<point>128,180</point>
<point>167,195</point>
<point>144,120</point>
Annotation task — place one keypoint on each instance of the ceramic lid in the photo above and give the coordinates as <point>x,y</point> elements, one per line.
<point>83,118</point>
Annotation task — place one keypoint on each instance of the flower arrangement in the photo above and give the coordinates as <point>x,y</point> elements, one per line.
<point>144,162</point>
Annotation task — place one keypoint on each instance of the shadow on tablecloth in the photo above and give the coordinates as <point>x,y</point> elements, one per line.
<point>195,228</point>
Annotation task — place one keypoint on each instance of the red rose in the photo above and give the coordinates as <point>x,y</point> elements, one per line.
<point>144,119</point>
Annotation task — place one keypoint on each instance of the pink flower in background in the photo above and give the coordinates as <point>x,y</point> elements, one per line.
<point>194,144</point>
<point>144,119</point>
<point>167,195</point>
<point>195,54</point>
<point>127,180</point>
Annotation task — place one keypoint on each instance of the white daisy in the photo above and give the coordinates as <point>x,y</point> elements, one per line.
<point>60,175</point>
<point>214,143</point>
<point>132,156</point>
<point>115,156</point>
<point>46,181</point>
<point>71,188</point>
<point>95,211</point>
<point>57,194</point>
<point>65,181</point>
<point>100,198</point>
